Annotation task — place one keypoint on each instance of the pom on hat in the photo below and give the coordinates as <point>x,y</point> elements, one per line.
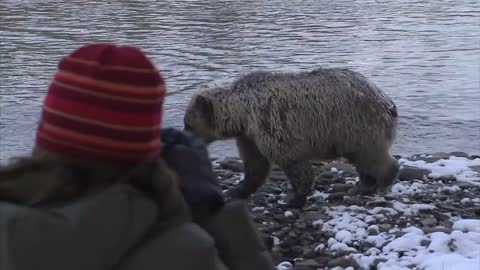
<point>105,102</point>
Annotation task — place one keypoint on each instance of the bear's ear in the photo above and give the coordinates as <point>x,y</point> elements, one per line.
<point>205,107</point>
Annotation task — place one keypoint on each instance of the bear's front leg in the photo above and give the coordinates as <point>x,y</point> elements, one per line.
<point>301,176</point>
<point>257,168</point>
<point>366,186</point>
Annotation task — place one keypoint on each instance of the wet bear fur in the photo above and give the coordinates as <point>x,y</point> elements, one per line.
<point>291,118</point>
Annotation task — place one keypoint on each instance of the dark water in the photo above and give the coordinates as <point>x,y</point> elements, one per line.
<point>424,54</point>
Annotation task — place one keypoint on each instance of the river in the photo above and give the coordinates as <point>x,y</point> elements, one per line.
<point>424,54</point>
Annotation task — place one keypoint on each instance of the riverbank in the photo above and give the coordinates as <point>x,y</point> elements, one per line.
<point>430,219</point>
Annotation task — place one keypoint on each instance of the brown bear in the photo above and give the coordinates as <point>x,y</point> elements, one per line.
<point>292,118</point>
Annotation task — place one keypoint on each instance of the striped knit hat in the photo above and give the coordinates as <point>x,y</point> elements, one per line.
<point>105,102</point>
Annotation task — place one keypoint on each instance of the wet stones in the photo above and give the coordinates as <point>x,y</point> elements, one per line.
<point>344,262</point>
<point>234,165</point>
<point>297,233</point>
<point>408,173</point>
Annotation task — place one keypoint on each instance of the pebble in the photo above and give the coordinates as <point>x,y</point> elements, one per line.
<point>307,264</point>
<point>447,179</point>
<point>437,229</point>
<point>386,204</point>
<point>475,168</point>
<point>322,260</point>
<point>378,261</point>
<point>341,187</point>
<point>234,165</point>
<point>327,174</point>
<point>312,216</point>
<point>344,261</point>
<point>384,227</point>
<point>408,173</point>
<point>336,196</point>
<point>373,230</point>
<point>354,200</point>
<point>467,202</point>
<point>425,243</point>
<point>428,222</point>
<point>460,154</point>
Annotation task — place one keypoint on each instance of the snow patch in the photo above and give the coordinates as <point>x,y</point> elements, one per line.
<point>467,225</point>
<point>458,167</point>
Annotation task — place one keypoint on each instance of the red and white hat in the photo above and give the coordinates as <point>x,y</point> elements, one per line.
<point>105,102</point>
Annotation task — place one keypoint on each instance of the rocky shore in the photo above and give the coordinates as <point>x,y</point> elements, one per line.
<point>431,213</point>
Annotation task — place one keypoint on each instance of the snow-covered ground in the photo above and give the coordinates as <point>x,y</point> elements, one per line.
<point>402,249</point>
<point>401,233</point>
<point>458,167</point>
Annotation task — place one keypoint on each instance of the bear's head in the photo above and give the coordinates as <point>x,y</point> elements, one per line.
<point>199,118</point>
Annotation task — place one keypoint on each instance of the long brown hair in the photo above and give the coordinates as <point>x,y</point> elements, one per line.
<point>46,178</point>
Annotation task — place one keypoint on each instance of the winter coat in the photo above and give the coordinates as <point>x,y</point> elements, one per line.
<point>121,228</point>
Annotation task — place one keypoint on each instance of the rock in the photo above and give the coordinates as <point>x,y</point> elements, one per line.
<point>322,260</point>
<point>341,166</point>
<point>425,243</point>
<point>373,230</point>
<point>459,154</point>
<point>467,202</point>
<point>231,164</point>
<point>297,251</point>
<point>390,197</point>
<point>300,225</point>
<point>475,168</point>
<point>448,179</point>
<point>309,253</point>
<point>439,215</point>
<point>337,196</point>
<point>384,227</point>
<point>344,262</point>
<point>327,174</point>
<point>474,156</point>
<point>439,155</point>
<point>428,222</point>
<point>408,173</point>
<point>341,187</point>
<point>308,264</point>
<point>287,243</point>
<point>285,265</point>
<point>386,204</point>
<point>270,189</point>
<point>464,185</point>
<point>447,207</point>
<point>378,261</point>
<point>317,163</point>
<point>338,179</point>
<point>355,200</point>
<point>281,218</point>
<point>225,174</point>
<point>312,216</point>
<point>437,229</point>
<point>307,237</point>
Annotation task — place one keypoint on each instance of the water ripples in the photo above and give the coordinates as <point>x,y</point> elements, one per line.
<point>425,55</point>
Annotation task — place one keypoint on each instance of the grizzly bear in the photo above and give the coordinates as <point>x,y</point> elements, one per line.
<point>292,118</point>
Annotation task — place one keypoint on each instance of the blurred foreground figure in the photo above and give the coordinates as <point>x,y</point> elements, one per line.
<point>107,188</point>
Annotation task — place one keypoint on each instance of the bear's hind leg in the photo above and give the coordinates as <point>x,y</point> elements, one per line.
<point>257,168</point>
<point>301,176</point>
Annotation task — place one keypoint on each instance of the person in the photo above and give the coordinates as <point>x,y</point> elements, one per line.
<point>106,187</point>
